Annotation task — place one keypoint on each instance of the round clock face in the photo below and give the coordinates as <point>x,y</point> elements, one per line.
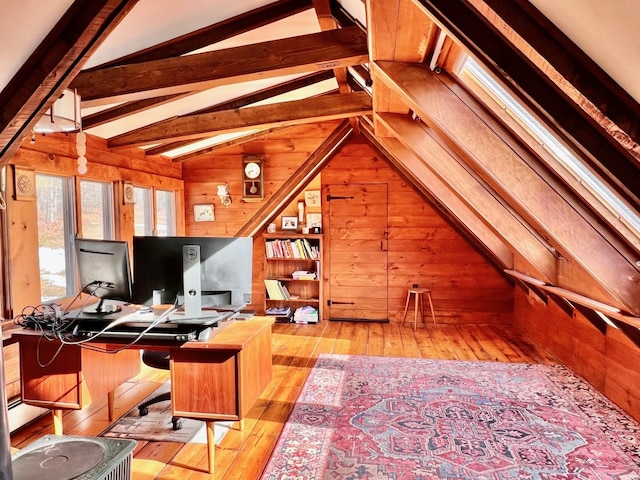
<point>252,170</point>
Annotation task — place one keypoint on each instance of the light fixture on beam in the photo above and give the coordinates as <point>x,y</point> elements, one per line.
<point>63,116</point>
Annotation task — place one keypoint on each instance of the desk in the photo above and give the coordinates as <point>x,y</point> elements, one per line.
<point>219,379</point>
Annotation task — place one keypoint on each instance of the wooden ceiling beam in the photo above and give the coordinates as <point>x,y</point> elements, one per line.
<point>57,60</point>
<point>603,151</point>
<point>547,210</point>
<point>246,100</point>
<point>127,109</point>
<point>308,110</point>
<point>248,137</point>
<point>297,182</point>
<point>289,56</point>
<point>215,33</point>
<point>438,162</point>
<point>572,63</point>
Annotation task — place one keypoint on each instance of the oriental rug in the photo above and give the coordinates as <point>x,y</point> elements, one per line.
<point>156,426</point>
<point>406,419</point>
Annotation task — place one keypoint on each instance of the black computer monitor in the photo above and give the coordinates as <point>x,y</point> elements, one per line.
<point>104,272</point>
<point>226,265</point>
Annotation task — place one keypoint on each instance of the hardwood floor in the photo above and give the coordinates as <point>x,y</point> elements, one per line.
<point>243,454</point>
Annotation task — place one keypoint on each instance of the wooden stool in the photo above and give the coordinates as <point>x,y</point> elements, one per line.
<point>418,303</point>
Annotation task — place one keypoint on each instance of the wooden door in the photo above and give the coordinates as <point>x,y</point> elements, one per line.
<point>356,252</point>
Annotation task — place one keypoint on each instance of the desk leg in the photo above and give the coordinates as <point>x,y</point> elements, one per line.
<point>111,405</point>
<point>57,422</point>
<point>211,444</point>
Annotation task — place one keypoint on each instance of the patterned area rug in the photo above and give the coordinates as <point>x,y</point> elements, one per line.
<point>156,426</point>
<point>407,419</point>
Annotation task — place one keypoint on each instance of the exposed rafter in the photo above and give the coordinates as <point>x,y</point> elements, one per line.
<point>53,65</point>
<point>551,213</point>
<point>258,96</point>
<point>611,158</point>
<point>318,109</point>
<point>215,33</point>
<point>290,56</point>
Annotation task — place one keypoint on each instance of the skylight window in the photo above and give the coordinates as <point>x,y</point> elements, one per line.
<point>626,220</point>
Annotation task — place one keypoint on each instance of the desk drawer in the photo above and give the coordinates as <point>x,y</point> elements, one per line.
<point>204,384</point>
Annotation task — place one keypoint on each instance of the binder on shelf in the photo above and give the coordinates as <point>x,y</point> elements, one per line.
<point>276,290</point>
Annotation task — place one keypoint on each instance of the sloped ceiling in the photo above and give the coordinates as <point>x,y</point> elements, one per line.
<point>180,78</point>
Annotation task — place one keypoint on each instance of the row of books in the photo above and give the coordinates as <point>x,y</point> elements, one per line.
<point>292,248</point>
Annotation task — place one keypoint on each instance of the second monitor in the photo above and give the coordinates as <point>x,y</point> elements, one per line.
<point>225,267</point>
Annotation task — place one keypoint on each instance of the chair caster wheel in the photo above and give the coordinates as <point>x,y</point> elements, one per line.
<point>143,411</point>
<point>177,423</point>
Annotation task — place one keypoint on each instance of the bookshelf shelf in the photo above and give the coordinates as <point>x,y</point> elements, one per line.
<point>286,255</point>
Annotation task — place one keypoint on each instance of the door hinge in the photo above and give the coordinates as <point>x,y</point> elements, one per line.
<point>333,302</point>
<point>335,197</point>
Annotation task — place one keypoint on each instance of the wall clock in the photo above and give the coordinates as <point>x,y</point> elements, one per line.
<point>252,178</point>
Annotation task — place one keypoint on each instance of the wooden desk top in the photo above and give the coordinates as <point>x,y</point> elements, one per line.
<point>232,335</point>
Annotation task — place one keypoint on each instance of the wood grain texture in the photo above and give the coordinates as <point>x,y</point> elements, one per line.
<point>242,454</point>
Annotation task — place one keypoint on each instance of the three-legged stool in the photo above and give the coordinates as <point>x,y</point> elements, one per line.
<point>418,303</point>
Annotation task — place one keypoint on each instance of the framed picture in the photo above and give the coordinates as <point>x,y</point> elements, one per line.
<point>289,223</point>
<point>312,198</point>
<point>203,213</point>
<point>24,183</point>
<point>314,220</point>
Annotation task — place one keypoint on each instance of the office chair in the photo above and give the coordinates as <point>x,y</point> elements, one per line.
<point>157,359</point>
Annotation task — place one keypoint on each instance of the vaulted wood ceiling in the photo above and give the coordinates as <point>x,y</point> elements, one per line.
<point>393,73</point>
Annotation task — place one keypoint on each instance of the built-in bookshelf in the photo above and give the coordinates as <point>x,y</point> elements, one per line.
<point>292,276</point>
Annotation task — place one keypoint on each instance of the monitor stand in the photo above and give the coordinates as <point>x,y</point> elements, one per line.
<point>101,308</point>
<point>192,311</point>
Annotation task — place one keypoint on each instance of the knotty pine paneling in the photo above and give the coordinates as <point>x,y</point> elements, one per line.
<point>610,361</point>
<point>284,151</point>
<point>423,248</point>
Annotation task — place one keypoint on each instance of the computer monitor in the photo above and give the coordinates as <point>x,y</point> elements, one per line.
<point>104,272</point>
<point>226,265</point>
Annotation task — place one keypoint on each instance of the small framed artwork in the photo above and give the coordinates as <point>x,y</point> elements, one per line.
<point>312,198</point>
<point>314,220</point>
<point>24,183</point>
<point>203,213</point>
<point>289,223</point>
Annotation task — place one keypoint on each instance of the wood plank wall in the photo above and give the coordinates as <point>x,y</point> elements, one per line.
<point>423,248</point>
<point>610,361</point>
<point>284,151</point>
<point>56,154</point>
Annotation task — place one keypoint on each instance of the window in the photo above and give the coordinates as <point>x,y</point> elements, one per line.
<point>143,211</point>
<point>590,187</point>
<point>165,213</point>
<point>96,210</point>
<point>56,228</point>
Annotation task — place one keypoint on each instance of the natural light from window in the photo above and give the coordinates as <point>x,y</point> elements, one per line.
<point>598,189</point>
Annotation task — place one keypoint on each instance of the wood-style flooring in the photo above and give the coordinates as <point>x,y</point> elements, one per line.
<point>243,454</point>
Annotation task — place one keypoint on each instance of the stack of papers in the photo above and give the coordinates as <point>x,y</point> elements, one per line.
<point>306,314</point>
<point>303,275</point>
